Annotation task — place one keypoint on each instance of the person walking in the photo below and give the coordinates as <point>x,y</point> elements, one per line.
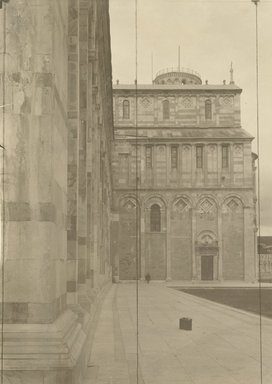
<point>147,277</point>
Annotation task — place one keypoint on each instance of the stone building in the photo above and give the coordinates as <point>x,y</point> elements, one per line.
<point>56,126</point>
<point>191,213</point>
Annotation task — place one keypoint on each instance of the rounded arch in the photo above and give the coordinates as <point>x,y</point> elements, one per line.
<point>233,233</point>
<point>181,204</point>
<point>235,197</point>
<point>126,109</point>
<point>166,109</point>
<point>206,237</point>
<point>207,207</point>
<point>155,218</point>
<point>185,198</point>
<point>155,199</point>
<point>232,204</point>
<point>208,109</point>
<point>207,197</point>
<point>126,231</point>
<point>129,201</point>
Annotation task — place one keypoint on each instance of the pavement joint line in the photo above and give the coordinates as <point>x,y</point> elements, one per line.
<point>223,373</point>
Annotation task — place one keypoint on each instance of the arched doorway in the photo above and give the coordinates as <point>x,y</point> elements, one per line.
<point>207,256</point>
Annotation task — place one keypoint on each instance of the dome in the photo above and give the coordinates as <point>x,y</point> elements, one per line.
<point>177,76</point>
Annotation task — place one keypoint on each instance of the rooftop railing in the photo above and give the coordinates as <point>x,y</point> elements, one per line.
<point>177,69</point>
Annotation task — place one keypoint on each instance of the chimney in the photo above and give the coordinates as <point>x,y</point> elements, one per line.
<point>224,82</point>
<point>117,82</point>
<point>206,82</point>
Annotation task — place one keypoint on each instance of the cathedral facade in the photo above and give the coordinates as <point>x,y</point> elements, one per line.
<point>184,181</point>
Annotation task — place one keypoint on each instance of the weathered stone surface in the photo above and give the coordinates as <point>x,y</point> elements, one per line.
<point>57,183</point>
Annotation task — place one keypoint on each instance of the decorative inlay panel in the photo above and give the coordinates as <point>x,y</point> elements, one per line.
<point>226,101</point>
<point>181,206</point>
<point>145,101</point>
<point>187,102</point>
<point>129,205</point>
<point>233,205</point>
<point>238,148</point>
<point>206,206</point>
<point>207,209</point>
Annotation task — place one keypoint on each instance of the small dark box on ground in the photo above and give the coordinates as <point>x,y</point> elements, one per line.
<point>185,323</point>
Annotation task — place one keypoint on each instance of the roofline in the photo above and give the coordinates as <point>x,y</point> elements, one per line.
<point>193,88</point>
<point>240,134</point>
<point>179,127</point>
<point>181,139</point>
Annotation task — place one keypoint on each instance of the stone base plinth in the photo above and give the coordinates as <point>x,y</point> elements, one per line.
<point>55,353</point>
<point>43,353</point>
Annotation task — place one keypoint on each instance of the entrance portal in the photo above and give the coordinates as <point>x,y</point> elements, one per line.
<point>207,268</point>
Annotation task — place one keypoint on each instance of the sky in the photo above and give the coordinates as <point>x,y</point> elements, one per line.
<point>211,34</point>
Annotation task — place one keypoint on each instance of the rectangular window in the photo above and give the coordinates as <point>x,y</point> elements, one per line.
<point>174,157</point>
<point>225,156</point>
<point>148,157</point>
<point>199,156</point>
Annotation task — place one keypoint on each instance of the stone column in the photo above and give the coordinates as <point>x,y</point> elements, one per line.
<point>92,57</point>
<point>73,128</point>
<point>249,245</point>
<point>194,271</point>
<point>168,244</point>
<point>219,166</point>
<point>231,160</point>
<point>35,166</point>
<point>220,246</point>
<point>205,163</point>
<point>35,180</point>
<point>82,151</point>
<point>143,250</point>
<point>193,165</point>
<point>92,160</point>
<point>168,163</point>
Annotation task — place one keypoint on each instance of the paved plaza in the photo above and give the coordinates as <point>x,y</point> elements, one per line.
<point>222,348</point>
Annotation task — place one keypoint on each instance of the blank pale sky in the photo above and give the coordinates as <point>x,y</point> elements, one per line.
<point>211,34</point>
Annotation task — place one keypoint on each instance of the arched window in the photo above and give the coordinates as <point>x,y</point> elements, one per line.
<point>155,218</point>
<point>208,110</point>
<point>126,111</point>
<point>165,110</point>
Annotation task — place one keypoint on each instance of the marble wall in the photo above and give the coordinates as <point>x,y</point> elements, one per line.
<point>56,187</point>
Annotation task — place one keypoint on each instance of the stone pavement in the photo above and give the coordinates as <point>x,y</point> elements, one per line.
<point>222,348</point>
